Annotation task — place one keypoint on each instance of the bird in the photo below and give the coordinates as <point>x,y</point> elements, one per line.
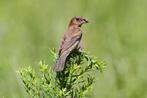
<point>71,41</point>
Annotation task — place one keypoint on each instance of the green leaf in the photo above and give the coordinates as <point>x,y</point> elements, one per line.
<point>75,81</point>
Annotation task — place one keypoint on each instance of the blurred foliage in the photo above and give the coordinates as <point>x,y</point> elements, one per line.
<point>116,33</point>
<point>74,81</point>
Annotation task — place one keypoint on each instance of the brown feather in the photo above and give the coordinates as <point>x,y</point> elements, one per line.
<point>70,41</point>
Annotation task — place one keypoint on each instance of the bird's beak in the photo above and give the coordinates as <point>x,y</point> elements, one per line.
<point>85,21</point>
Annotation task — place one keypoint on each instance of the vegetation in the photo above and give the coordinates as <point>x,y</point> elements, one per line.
<point>73,82</point>
<point>116,33</point>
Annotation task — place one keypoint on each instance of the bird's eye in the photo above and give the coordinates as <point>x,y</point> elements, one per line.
<point>77,19</point>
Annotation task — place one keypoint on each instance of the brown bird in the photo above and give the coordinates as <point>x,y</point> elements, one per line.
<point>70,42</point>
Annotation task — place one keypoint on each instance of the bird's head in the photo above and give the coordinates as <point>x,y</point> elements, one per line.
<point>78,21</point>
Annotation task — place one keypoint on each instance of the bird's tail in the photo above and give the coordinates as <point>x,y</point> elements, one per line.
<point>59,66</point>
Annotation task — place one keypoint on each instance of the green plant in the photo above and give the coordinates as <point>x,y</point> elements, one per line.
<point>73,82</point>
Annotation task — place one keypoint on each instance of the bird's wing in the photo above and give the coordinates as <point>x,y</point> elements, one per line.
<point>70,42</point>
<point>59,66</point>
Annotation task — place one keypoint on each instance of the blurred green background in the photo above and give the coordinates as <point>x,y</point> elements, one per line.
<point>117,33</point>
